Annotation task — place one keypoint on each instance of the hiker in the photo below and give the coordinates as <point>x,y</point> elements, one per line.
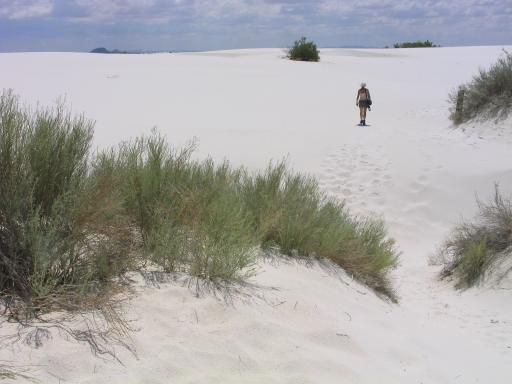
<point>363,101</point>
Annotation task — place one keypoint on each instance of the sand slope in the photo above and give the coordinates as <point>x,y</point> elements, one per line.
<point>301,324</point>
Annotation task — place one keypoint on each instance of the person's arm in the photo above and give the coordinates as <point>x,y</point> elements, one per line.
<point>357,99</point>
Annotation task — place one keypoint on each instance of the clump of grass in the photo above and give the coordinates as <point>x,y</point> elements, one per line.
<point>487,96</point>
<point>188,213</point>
<point>304,50</point>
<point>291,213</point>
<point>474,248</point>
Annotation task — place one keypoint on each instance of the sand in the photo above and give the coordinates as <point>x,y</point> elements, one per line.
<point>299,323</point>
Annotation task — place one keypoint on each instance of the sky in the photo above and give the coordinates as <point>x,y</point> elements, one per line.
<point>177,25</point>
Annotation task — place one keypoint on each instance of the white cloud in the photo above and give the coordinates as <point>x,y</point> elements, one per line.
<point>25,9</point>
<point>106,10</point>
<point>147,11</point>
<point>236,8</point>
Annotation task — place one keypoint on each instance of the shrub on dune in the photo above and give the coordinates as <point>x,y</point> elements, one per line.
<point>188,213</point>
<point>53,237</point>
<point>487,96</point>
<point>415,44</point>
<point>474,248</point>
<point>70,222</point>
<point>304,50</point>
<point>291,213</point>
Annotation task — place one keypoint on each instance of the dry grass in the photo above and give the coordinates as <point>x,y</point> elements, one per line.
<point>96,320</point>
<point>474,248</point>
<point>12,372</point>
<point>487,96</point>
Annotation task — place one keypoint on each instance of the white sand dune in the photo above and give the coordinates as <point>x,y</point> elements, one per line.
<point>301,324</point>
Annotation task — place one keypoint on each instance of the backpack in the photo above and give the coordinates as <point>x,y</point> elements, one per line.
<point>368,99</point>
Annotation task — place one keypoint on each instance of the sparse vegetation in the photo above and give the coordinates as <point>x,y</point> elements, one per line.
<point>415,44</point>
<point>189,214</point>
<point>70,222</point>
<point>290,212</point>
<point>474,248</point>
<point>304,50</point>
<point>52,236</point>
<point>487,96</point>
<point>13,372</point>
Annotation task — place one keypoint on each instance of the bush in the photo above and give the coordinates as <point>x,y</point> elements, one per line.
<point>291,213</point>
<point>473,248</point>
<point>415,44</point>
<point>488,95</point>
<point>68,223</point>
<point>304,50</point>
<point>188,214</point>
<point>54,227</point>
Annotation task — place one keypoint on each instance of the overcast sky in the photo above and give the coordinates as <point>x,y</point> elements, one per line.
<point>81,25</point>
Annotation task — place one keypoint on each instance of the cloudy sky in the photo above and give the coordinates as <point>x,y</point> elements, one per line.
<point>81,25</point>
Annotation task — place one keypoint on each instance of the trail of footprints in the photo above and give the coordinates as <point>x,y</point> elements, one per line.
<point>352,174</point>
<point>362,177</point>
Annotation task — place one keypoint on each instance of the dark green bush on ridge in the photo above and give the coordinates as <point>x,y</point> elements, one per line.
<point>70,221</point>
<point>487,96</point>
<point>304,50</point>
<point>415,44</point>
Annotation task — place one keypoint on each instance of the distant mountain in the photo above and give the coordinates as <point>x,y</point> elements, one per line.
<point>100,50</point>
<point>105,50</point>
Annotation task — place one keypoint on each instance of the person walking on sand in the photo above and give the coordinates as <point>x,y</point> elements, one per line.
<point>363,101</point>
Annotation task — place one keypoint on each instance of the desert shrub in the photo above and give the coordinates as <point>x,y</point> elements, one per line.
<point>291,213</point>
<point>488,95</point>
<point>415,44</point>
<point>207,232</point>
<point>52,236</point>
<point>304,50</point>
<point>69,222</point>
<point>209,220</point>
<point>189,214</point>
<point>474,248</point>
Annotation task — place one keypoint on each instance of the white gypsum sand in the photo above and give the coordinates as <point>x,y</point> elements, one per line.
<point>302,324</point>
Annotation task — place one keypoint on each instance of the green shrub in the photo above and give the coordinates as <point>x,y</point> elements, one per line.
<point>304,50</point>
<point>68,224</point>
<point>189,214</point>
<point>52,236</point>
<point>487,96</point>
<point>291,213</point>
<point>473,248</point>
<point>415,44</point>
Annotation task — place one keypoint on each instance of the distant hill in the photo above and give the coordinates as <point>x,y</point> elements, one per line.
<point>100,50</point>
<point>105,50</point>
